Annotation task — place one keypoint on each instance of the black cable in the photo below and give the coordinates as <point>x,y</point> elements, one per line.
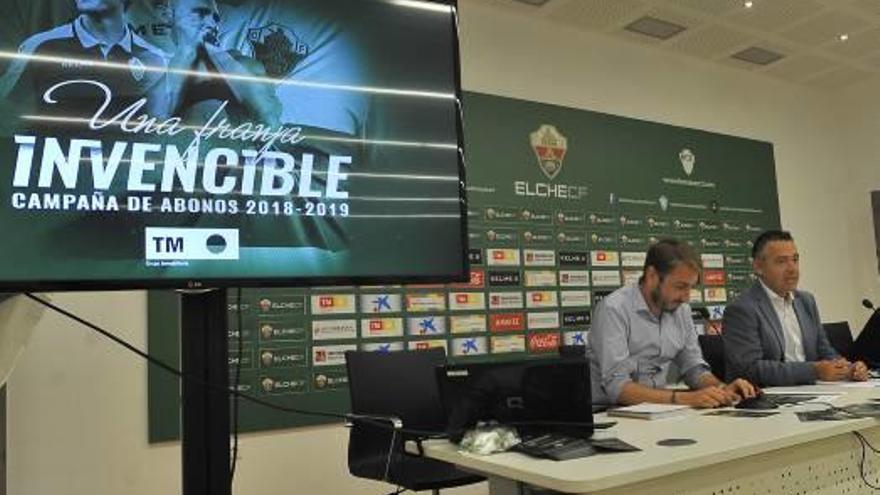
<point>863,459</point>
<point>235,401</point>
<point>373,420</point>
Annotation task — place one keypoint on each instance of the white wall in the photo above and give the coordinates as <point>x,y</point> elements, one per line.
<point>77,403</point>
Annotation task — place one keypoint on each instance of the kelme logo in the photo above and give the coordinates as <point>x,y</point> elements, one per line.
<point>688,160</point>
<point>550,147</point>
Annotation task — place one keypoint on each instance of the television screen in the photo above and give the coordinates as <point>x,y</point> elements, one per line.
<point>187,143</point>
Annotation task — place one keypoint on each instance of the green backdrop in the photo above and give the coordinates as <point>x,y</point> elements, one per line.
<point>562,205</point>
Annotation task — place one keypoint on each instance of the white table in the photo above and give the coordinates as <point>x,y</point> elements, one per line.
<point>776,454</point>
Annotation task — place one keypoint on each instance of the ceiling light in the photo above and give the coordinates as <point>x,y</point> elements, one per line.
<point>843,37</point>
<point>655,28</point>
<point>749,4</point>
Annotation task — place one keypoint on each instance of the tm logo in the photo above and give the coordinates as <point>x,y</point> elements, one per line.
<point>191,244</point>
<point>168,244</point>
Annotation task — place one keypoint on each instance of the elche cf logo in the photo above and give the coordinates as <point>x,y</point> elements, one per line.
<point>550,147</point>
<point>277,47</point>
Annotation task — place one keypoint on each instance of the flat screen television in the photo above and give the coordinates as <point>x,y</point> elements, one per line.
<point>201,143</point>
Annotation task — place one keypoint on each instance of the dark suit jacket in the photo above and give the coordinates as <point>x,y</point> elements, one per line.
<point>754,346</point>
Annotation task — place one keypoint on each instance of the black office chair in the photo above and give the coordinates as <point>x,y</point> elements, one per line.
<point>401,384</point>
<point>713,352</point>
<point>840,337</point>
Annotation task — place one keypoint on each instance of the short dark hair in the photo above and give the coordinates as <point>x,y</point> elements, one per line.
<point>666,255</point>
<point>766,237</point>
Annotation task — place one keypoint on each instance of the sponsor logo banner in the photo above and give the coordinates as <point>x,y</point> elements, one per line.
<point>603,239</point>
<point>578,337</point>
<point>500,236</point>
<point>334,329</point>
<point>716,312</point>
<point>711,243</point>
<point>463,301</point>
<point>538,321</point>
<point>504,279</point>
<point>633,241</point>
<point>576,318</point>
<point>604,258</point>
<point>712,260</point>
<point>602,219</point>
<point>734,244</point>
<point>731,227</point>
<point>477,281</point>
<point>330,380</point>
<point>542,217</point>
<point>537,236</point>
<point>709,226</point>
<point>574,278</point>
<point>498,213</point>
<point>506,322</point>
<point>282,330</point>
<point>633,258</point>
<point>382,346</point>
<point>539,257</point>
<point>469,346</point>
<point>541,299</point>
<point>171,244</point>
<point>423,345</point>
<point>278,383</point>
<point>283,357</point>
<point>754,229</point>
<point>606,278</point>
<point>740,277</point>
<point>426,325</point>
<point>569,298</point>
<point>503,257</point>
<point>696,296</point>
<point>658,223</point>
<point>467,324</point>
<point>573,258</point>
<point>508,343</point>
<point>332,304</point>
<point>571,238</point>
<point>715,294</point>
<point>630,222</point>
<point>736,260</point>
<point>540,278</point>
<point>631,276</point>
<point>330,355</point>
<point>294,304</point>
<point>570,218</point>
<point>714,277</point>
<point>506,300</point>
<point>543,342</point>
<point>684,225</point>
<point>433,301</point>
<point>381,303</point>
<point>381,328</point>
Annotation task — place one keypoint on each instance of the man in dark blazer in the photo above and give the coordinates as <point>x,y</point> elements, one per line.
<point>772,333</point>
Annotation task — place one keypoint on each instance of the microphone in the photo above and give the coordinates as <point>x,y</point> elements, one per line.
<point>868,304</point>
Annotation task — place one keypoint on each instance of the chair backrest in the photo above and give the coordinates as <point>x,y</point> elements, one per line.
<point>712,347</point>
<point>402,384</point>
<point>840,337</point>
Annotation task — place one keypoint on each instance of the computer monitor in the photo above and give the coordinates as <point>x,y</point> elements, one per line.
<point>231,143</point>
<point>535,396</point>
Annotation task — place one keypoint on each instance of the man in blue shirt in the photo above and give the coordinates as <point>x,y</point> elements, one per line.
<point>640,329</point>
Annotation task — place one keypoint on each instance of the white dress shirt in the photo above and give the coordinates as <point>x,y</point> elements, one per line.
<point>791,328</point>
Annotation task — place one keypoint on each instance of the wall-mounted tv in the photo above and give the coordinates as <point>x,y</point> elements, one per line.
<point>190,143</point>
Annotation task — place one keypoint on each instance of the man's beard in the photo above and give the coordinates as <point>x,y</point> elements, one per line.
<point>657,299</point>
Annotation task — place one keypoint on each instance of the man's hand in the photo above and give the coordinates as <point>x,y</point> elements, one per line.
<point>707,397</point>
<point>859,372</point>
<point>833,371</point>
<point>743,389</point>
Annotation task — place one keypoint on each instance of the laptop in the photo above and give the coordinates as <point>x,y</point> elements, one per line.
<point>535,396</point>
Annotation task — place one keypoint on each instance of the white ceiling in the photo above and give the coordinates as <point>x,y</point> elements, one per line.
<point>806,32</point>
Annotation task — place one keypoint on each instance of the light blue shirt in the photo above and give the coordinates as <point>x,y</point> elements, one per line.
<point>627,343</point>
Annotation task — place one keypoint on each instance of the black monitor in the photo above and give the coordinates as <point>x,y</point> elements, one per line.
<point>231,143</point>
<point>866,347</point>
<point>535,396</point>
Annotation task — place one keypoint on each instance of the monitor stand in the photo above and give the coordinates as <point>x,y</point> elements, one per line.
<point>205,424</point>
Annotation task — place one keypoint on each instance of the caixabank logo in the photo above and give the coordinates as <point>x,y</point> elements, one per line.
<point>550,148</point>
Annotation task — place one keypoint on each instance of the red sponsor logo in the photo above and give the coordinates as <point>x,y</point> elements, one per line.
<point>543,342</point>
<point>714,277</point>
<point>537,297</point>
<point>325,301</point>
<point>506,322</point>
<point>376,325</point>
<point>478,280</point>
<point>461,298</point>
<point>601,256</point>
<point>320,356</point>
<point>498,255</point>
<point>423,346</point>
